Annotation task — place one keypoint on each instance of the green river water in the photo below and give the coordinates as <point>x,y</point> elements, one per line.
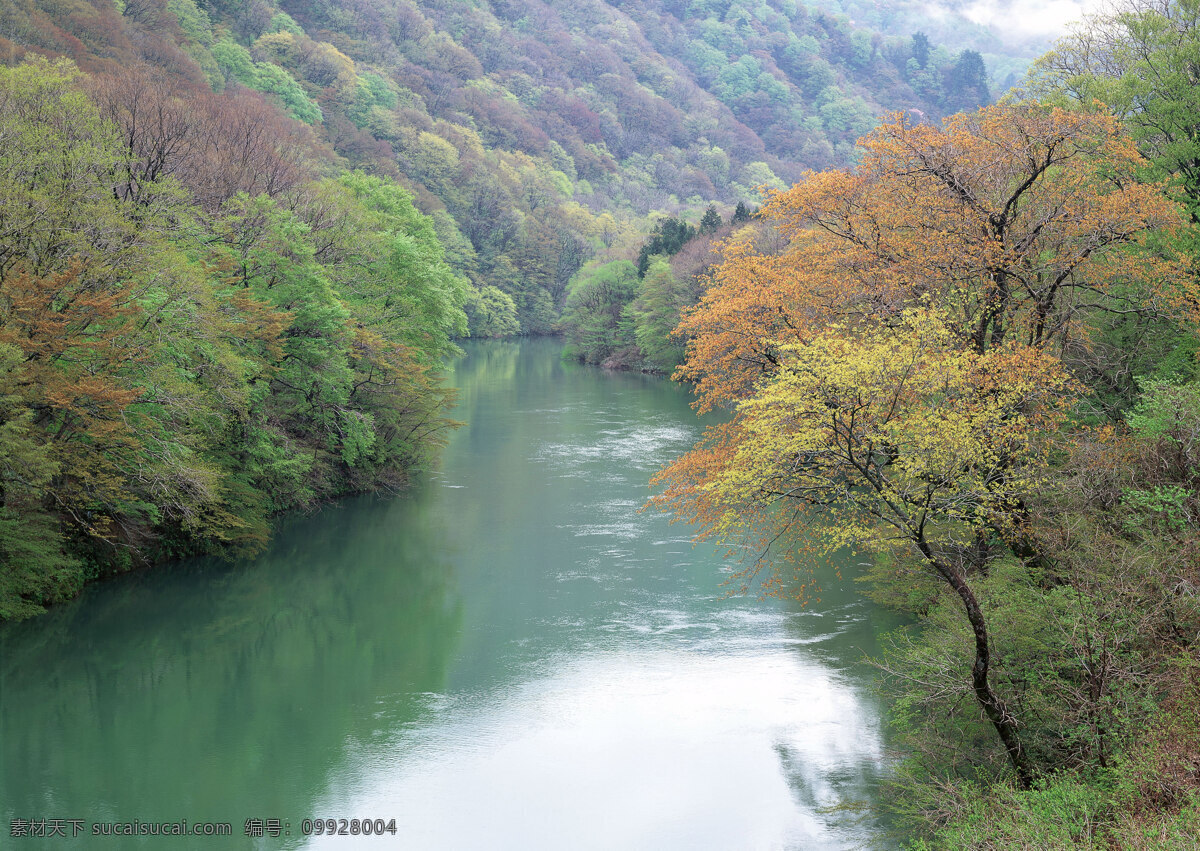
<point>508,656</point>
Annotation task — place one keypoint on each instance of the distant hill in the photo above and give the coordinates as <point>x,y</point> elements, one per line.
<point>1009,34</point>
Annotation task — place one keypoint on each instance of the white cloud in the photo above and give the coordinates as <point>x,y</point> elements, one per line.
<point>1022,20</point>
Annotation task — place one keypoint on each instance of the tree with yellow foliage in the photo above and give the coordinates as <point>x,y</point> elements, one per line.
<point>896,369</point>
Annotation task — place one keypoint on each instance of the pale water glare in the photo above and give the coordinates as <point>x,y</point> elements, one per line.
<point>511,656</point>
<point>644,749</point>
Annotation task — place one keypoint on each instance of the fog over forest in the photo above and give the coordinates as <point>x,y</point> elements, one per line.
<point>1019,21</point>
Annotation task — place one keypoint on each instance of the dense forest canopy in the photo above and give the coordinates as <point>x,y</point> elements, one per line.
<point>238,238</point>
<point>1008,34</point>
<point>535,134</point>
<point>199,331</point>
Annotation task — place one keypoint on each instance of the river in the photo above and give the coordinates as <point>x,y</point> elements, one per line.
<point>508,656</point>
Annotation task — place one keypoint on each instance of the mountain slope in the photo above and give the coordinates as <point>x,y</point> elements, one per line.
<point>534,133</point>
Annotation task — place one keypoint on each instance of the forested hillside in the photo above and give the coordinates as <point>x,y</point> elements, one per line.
<point>1008,34</point>
<point>199,330</point>
<point>237,238</point>
<point>535,134</point>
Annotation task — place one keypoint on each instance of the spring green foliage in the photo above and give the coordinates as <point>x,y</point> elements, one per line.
<point>390,267</point>
<point>632,326</point>
<point>1095,637</point>
<point>595,318</point>
<point>1097,645</point>
<point>1141,800</point>
<point>656,312</point>
<point>168,378</point>
<point>491,312</point>
<point>237,65</point>
<point>1141,63</point>
<point>36,567</point>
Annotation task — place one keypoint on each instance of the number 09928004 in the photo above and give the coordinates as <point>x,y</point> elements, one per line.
<point>348,827</point>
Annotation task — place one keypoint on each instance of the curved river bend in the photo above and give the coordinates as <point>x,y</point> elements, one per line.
<point>511,656</point>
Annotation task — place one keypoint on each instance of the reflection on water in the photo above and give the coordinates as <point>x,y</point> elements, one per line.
<point>218,693</point>
<point>662,748</point>
<point>511,656</point>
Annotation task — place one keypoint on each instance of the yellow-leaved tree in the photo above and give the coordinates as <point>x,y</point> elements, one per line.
<point>898,369</point>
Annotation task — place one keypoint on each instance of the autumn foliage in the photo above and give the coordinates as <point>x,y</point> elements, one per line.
<point>899,368</point>
<point>1009,219</point>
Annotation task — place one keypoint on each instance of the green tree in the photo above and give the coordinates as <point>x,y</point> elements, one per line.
<point>56,198</point>
<point>920,49</point>
<point>904,380</point>
<point>237,64</point>
<point>391,269</point>
<point>491,312</point>
<point>656,312</point>
<point>35,568</point>
<point>670,235</point>
<point>302,398</point>
<point>594,323</point>
<point>1140,61</point>
<point>113,323</point>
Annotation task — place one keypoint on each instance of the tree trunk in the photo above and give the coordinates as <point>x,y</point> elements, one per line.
<point>993,706</point>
